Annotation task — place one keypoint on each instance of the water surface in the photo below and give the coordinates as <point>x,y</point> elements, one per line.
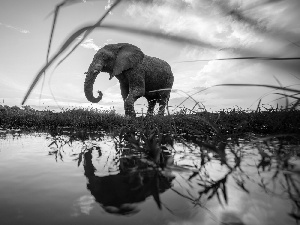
<point>54,180</point>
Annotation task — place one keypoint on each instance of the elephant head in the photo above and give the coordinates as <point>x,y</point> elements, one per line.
<point>112,59</point>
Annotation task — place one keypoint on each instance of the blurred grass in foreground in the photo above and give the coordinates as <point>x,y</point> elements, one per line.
<point>229,10</point>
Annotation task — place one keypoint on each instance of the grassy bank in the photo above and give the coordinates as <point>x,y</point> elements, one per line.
<point>224,122</point>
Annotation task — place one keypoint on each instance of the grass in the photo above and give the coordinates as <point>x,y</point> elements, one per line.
<point>272,121</point>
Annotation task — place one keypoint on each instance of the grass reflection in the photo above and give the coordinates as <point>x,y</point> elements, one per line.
<point>149,162</point>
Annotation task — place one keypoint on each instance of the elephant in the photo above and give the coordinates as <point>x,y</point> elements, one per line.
<point>139,75</point>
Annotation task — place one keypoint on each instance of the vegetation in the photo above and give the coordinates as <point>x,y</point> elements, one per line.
<point>272,121</point>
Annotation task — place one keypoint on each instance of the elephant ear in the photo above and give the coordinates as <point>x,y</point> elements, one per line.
<point>128,57</point>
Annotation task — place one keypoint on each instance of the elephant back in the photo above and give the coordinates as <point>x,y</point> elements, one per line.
<point>158,73</point>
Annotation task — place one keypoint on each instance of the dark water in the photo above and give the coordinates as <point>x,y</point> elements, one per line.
<point>93,182</point>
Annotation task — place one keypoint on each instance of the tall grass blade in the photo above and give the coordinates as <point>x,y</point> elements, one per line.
<point>243,58</point>
<point>155,190</point>
<point>258,106</point>
<point>286,95</point>
<point>295,104</point>
<point>159,34</point>
<point>271,92</point>
<point>286,98</point>
<point>260,85</point>
<point>64,47</point>
<point>189,96</point>
<point>223,188</point>
<point>88,31</point>
<point>56,11</point>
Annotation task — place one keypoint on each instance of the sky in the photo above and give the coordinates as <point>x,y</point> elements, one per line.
<point>260,28</point>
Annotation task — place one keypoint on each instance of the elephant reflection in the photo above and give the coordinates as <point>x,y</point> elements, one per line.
<point>118,193</point>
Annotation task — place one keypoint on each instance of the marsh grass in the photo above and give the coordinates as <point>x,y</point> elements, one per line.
<point>260,121</point>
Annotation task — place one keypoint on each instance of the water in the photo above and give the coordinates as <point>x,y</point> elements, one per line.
<point>51,180</point>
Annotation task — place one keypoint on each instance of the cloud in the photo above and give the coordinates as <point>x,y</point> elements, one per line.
<point>247,28</point>
<point>89,44</point>
<point>83,205</point>
<point>201,80</point>
<point>108,6</point>
<point>7,83</point>
<point>264,28</point>
<point>197,19</point>
<point>112,94</point>
<point>23,31</point>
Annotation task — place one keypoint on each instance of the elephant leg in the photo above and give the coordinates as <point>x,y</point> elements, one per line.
<point>129,101</point>
<point>163,101</point>
<point>124,91</point>
<point>151,105</point>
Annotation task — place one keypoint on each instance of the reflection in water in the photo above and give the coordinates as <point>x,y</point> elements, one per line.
<point>133,184</point>
<point>245,180</point>
<point>202,168</point>
<point>266,163</point>
<point>136,179</point>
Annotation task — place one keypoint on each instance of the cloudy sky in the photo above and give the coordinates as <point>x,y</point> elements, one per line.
<point>226,28</point>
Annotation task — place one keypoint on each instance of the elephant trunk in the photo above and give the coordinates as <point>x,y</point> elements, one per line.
<point>90,78</point>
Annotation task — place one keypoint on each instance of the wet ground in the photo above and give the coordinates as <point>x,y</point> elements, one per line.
<point>48,179</point>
